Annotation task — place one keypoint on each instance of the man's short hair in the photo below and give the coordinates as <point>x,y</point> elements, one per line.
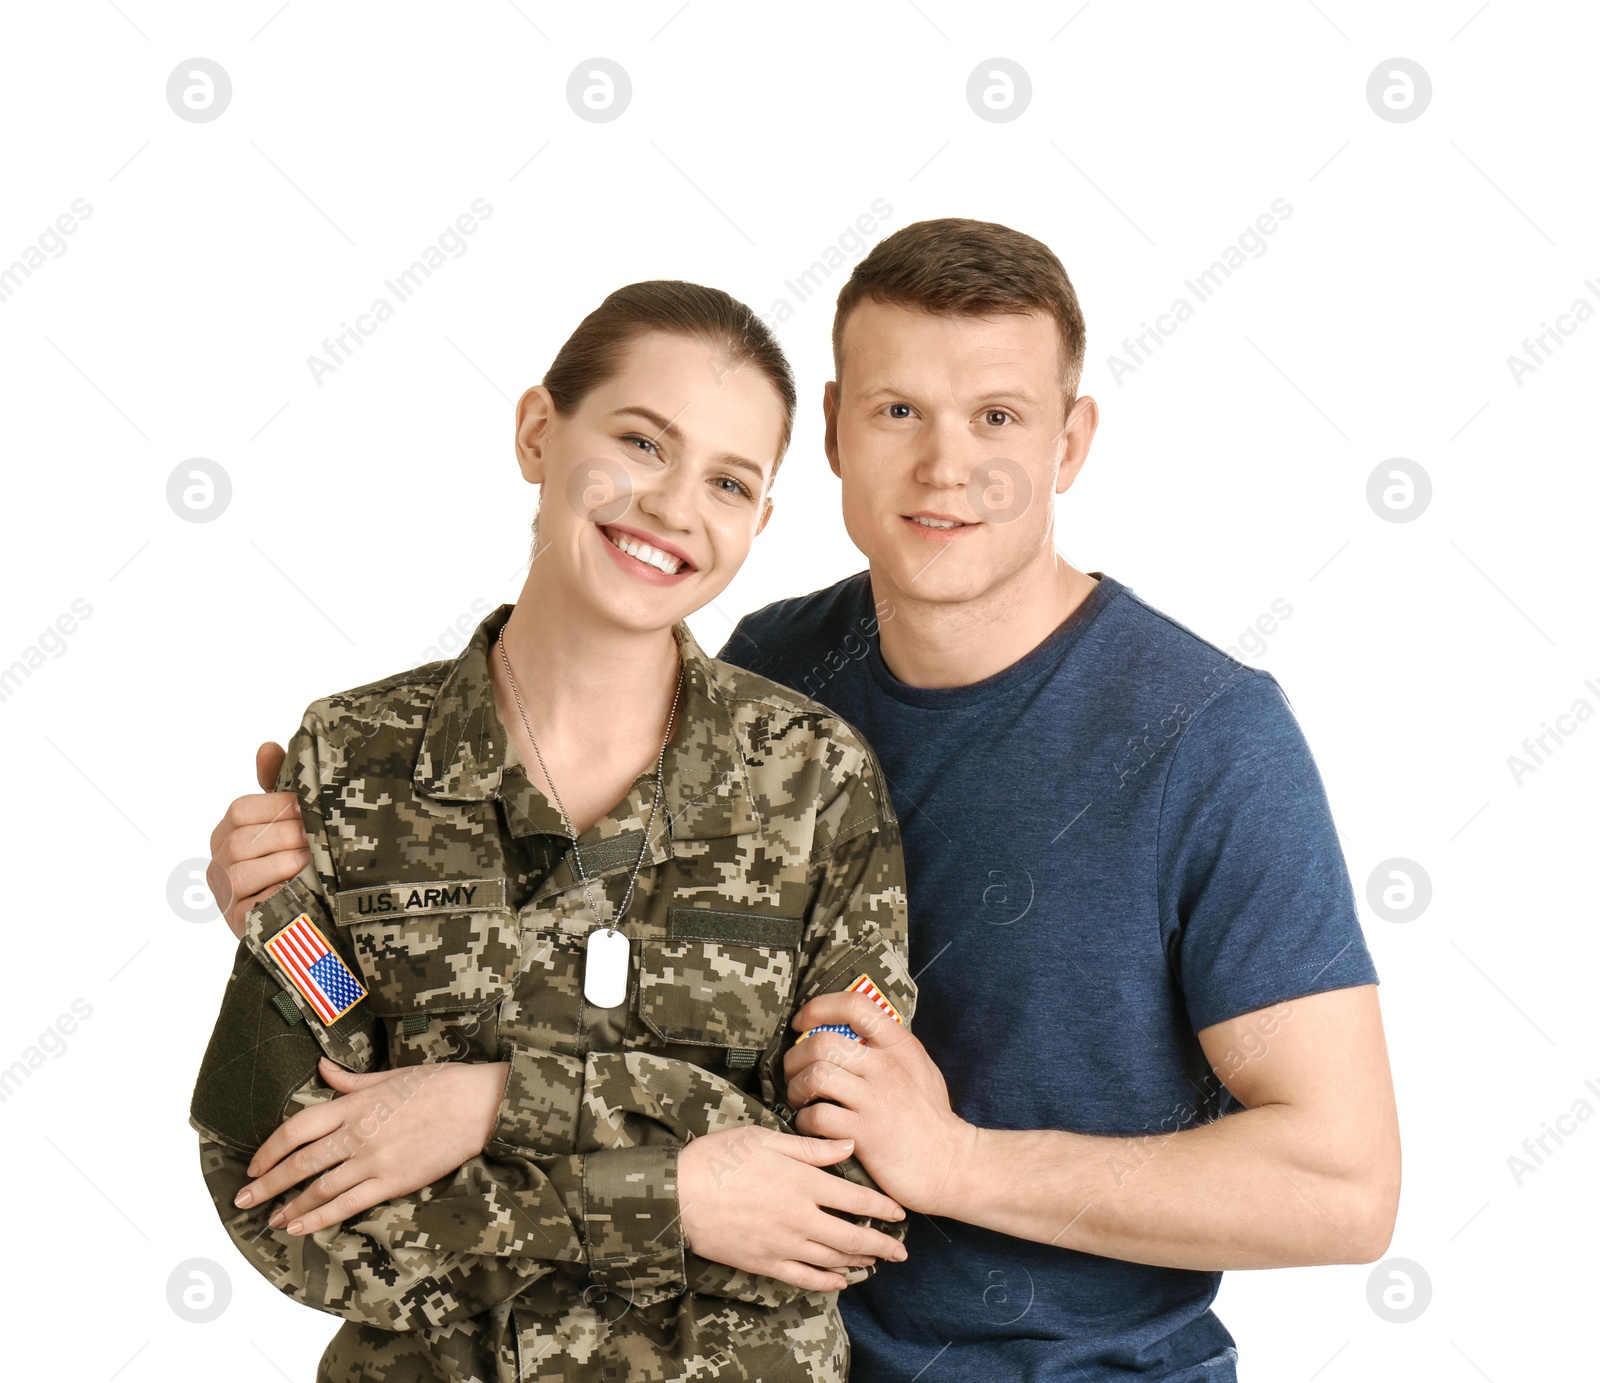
<point>954,267</point>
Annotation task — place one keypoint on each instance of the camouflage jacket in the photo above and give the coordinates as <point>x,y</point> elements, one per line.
<point>443,879</point>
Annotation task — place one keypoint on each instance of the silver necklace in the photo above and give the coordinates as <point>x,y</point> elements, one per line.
<point>605,968</point>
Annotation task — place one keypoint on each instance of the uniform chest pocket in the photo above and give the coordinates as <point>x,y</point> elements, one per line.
<point>427,958</point>
<point>719,979</point>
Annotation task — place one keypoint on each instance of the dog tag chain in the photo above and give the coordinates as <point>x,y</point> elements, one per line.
<point>605,961</point>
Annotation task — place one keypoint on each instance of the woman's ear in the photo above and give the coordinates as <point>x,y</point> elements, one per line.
<point>766,513</point>
<point>535,411</point>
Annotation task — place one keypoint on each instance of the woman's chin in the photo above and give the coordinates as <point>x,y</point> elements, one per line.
<point>638,612</point>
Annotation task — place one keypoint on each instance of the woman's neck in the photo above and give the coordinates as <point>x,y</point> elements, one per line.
<point>588,686</point>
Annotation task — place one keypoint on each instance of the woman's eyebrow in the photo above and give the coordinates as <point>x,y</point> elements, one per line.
<point>728,458</point>
<point>667,428</point>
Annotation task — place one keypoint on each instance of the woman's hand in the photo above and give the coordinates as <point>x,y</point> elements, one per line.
<point>389,1134</point>
<point>754,1198</point>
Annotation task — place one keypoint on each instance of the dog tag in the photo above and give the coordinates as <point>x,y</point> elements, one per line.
<point>605,968</point>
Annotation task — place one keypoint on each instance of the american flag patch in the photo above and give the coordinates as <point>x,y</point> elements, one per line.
<point>863,985</point>
<point>843,1029</point>
<point>314,968</point>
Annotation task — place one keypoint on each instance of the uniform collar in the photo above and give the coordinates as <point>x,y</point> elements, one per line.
<point>467,756</point>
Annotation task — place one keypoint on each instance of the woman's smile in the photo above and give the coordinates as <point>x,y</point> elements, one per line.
<point>642,556</point>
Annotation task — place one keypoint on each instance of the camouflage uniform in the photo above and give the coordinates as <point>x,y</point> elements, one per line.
<point>443,878</point>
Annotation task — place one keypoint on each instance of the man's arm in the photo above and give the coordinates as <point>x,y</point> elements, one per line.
<point>1253,903</point>
<point>1307,1173</point>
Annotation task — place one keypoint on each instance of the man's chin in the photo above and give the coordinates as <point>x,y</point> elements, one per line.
<point>939,579</point>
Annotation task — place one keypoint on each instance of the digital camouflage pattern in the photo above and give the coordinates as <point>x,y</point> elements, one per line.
<point>444,879</point>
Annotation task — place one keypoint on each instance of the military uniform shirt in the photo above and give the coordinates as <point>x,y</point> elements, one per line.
<point>443,879</point>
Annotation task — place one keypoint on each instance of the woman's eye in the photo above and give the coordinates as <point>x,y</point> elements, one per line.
<point>899,410</point>
<point>643,443</point>
<point>997,417</point>
<point>736,487</point>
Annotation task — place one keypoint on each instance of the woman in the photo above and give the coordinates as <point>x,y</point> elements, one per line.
<point>495,1076</point>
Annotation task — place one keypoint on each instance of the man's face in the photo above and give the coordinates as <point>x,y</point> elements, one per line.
<point>948,434</point>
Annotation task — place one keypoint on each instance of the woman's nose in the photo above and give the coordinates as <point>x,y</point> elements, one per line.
<point>668,499</point>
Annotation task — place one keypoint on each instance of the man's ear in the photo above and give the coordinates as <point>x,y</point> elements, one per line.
<point>830,423</point>
<point>535,411</point>
<point>1082,421</point>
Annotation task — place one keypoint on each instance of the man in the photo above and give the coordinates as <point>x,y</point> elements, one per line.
<point>1148,1045</point>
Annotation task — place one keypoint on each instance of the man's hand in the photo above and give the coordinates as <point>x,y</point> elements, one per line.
<point>890,1098</point>
<point>389,1134</point>
<point>1307,1172</point>
<point>259,844</point>
<point>755,1199</point>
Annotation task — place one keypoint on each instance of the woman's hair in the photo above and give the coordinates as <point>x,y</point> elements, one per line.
<point>733,334</point>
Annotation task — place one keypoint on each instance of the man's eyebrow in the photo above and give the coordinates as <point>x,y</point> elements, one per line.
<point>999,396</point>
<point>665,427</point>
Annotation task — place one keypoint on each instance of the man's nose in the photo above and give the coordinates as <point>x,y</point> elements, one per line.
<point>947,456</point>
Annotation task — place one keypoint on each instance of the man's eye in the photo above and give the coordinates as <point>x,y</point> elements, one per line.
<point>997,417</point>
<point>899,410</point>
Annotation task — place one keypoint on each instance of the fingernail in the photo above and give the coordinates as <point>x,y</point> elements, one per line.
<point>276,1221</point>
<point>244,1198</point>
<point>297,1226</point>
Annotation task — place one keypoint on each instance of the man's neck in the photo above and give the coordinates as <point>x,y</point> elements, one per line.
<point>955,643</point>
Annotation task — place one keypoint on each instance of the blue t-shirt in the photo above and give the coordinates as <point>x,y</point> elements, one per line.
<point>1115,842</point>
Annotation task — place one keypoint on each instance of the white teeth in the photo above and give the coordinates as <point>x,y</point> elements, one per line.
<point>654,557</point>
<point>937,523</point>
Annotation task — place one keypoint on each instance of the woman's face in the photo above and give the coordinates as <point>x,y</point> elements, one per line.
<point>655,486</point>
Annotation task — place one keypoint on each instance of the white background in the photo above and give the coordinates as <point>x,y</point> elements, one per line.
<point>371,510</point>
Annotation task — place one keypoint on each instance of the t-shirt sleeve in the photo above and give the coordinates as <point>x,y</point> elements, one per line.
<point>1255,900</point>
<point>744,647</point>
